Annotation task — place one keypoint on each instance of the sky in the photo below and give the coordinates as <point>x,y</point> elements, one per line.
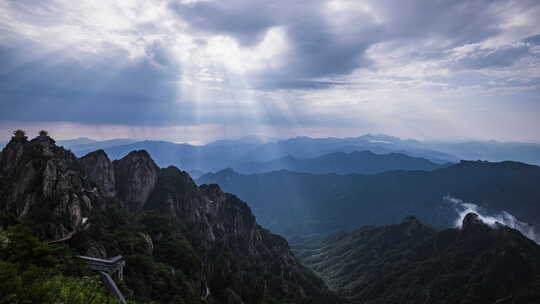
<point>194,71</point>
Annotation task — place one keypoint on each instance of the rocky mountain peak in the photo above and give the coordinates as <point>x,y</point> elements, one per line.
<point>99,170</point>
<point>42,179</point>
<point>212,190</point>
<point>44,145</point>
<point>136,175</point>
<point>12,154</point>
<point>473,224</point>
<point>221,177</point>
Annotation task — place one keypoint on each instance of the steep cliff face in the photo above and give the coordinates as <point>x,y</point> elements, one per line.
<point>12,154</point>
<point>181,241</point>
<point>136,176</point>
<point>218,214</point>
<point>42,184</point>
<point>235,248</point>
<point>411,263</point>
<point>99,170</point>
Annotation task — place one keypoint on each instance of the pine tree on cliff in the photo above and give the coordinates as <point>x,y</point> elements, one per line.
<point>19,134</point>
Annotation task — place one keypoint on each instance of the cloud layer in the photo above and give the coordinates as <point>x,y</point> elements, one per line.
<point>502,218</point>
<point>425,69</point>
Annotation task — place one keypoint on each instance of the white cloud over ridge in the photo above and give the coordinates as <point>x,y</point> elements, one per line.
<point>504,218</point>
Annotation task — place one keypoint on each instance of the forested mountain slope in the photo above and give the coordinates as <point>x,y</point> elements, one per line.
<point>412,263</point>
<point>292,203</point>
<point>183,243</point>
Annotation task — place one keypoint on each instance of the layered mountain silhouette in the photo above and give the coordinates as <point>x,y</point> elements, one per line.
<point>86,144</point>
<point>365,162</point>
<point>240,152</point>
<point>190,158</point>
<point>183,243</point>
<point>221,154</point>
<point>412,263</point>
<point>293,204</point>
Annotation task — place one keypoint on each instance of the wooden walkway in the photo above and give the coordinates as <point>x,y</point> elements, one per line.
<point>106,268</point>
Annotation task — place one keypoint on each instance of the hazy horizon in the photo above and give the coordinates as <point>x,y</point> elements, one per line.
<point>264,138</point>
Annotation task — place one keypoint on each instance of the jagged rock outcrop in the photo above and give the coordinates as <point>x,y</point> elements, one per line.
<point>181,241</point>
<point>218,218</point>
<point>213,210</point>
<point>473,224</point>
<point>41,183</point>
<point>412,263</point>
<point>136,176</point>
<point>11,155</point>
<point>99,169</point>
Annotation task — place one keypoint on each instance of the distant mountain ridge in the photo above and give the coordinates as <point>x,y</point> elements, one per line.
<point>307,147</point>
<point>76,141</point>
<point>365,162</point>
<point>221,154</point>
<point>92,145</point>
<point>255,149</point>
<point>225,153</point>
<point>293,203</point>
<point>189,157</point>
<point>490,150</point>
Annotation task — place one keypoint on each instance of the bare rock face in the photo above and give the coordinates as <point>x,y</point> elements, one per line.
<point>473,224</point>
<point>214,212</point>
<point>11,155</point>
<point>214,219</point>
<point>99,170</point>
<point>136,176</point>
<point>42,183</point>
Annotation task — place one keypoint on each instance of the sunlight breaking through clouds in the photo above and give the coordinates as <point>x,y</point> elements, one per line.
<point>410,69</point>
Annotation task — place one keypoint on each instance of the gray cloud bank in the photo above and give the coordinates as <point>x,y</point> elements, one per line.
<point>330,45</point>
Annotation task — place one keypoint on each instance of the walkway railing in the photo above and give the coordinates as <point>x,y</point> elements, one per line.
<point>107,269</point>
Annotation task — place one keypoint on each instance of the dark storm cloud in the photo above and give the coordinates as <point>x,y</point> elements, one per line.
<point>53,88</point>
<point>318,49</point>
<point>535,40</point>
<point>322,49</point>
<point>244,20</point>
<point>114,90</point>
<point>42,83</point>
<point>458,21</point>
